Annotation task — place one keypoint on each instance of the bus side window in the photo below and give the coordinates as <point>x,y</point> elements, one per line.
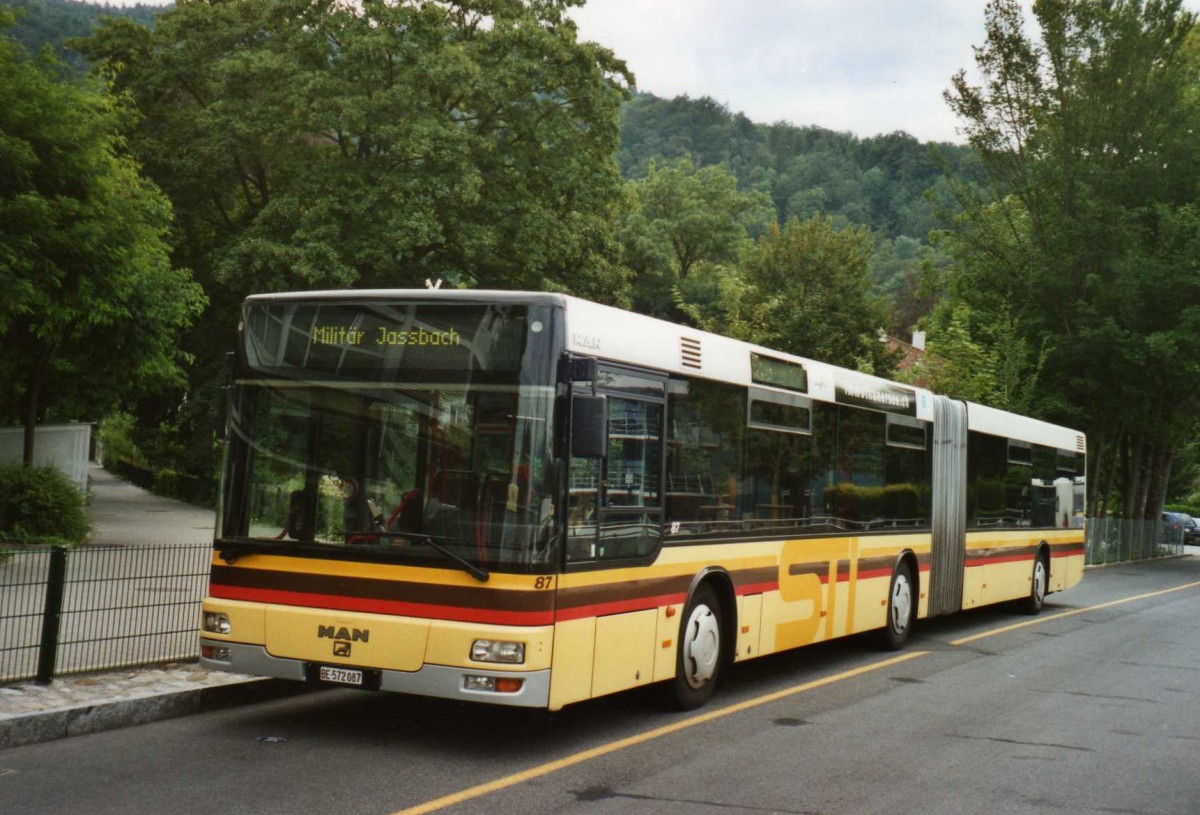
<point>705,432</point>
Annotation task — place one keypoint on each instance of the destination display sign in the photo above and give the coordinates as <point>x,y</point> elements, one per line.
<point>371,340</point>
<point>862,391</point>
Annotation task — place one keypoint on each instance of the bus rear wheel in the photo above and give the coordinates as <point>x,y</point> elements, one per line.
<point>901,608</point>
<point>698,654</point>
<point>1037,589</point>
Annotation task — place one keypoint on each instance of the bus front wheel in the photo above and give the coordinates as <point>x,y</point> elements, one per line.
<point>698,655</point>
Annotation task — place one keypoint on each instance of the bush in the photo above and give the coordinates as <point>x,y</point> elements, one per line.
<point>116,440</point>
<point>40,505</point>
<point>166,482</point>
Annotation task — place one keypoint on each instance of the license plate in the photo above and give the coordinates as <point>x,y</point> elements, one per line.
<point>342,676</point>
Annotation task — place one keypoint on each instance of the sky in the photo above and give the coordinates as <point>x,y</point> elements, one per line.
<point>862,66</point>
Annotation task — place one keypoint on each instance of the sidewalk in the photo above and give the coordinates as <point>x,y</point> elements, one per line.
<point>122,514</point>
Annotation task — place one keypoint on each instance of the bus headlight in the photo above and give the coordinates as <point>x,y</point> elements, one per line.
<point>498,651</point>
<point>216,623</point>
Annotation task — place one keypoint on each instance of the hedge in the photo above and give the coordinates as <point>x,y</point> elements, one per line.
<point>40,505</point>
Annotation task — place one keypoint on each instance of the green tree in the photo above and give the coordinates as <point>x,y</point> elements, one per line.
<point>678,217</point>
<point>1088,239</point>
<point>991,364</point>
<point>317,143</point>
<point>92,304</point>
<point>907,273</point>
<point>804,289</point>
<point>321,144</point>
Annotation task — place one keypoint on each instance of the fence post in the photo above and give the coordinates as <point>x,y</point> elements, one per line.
<point>55,584</point>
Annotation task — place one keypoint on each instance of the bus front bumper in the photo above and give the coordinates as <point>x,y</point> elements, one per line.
<point>430,680</point>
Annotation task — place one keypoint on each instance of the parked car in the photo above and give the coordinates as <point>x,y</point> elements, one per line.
<point>1179,526</point>
<point>1191,530</point>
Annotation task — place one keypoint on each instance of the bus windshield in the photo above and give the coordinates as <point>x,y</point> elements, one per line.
<point>434,453</point>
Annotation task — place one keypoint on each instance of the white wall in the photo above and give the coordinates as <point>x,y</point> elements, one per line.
<point>63,446</point>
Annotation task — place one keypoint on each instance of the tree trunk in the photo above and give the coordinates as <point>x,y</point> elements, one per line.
<point>1093,495</point>
<point>1145,467</point>
<point>1111,476</point>
<point>1131,496</point>
<point>30,417</point>
<point>1160,471</point>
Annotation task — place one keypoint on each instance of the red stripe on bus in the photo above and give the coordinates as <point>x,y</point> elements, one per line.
<point>757,588</point>
<point>391,607</point>
<point>1074,551</point>
<point>620,606</point>
<point>873,573</point>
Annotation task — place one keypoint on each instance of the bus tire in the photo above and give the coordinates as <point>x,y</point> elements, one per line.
<point>698,656</point>
<point>901,608</point>
<point>1037,588</point>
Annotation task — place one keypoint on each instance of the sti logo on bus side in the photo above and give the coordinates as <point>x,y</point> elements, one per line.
<point>328,632</point>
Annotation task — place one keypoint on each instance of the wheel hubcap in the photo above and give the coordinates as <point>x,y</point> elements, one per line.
<point>1039,581</point>
<point>901,603</point>
<point>702,647</point>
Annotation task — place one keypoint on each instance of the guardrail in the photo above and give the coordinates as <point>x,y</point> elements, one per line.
<point>98,607</point>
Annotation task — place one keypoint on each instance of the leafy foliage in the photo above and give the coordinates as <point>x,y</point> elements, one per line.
<point>116,439</point>
<point>320,144</point>
<point>883,182</point>
<point>1088,241</point>
<point>802,288</point>
<point>40,505</point>
<point>311,144</point>
<point>678,218</point>
<point>92,303</point>
<point>50,23</point>
<point>893,185</point>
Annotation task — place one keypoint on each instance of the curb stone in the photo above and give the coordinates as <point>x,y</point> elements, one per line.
<point>18,731</point>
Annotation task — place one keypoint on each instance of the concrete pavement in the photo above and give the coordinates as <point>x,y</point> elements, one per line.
<point>123,514</point>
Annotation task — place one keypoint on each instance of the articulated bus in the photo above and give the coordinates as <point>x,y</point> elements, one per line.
<point>530,499</point>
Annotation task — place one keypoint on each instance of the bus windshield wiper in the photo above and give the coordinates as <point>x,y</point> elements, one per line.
<point>477,572</point>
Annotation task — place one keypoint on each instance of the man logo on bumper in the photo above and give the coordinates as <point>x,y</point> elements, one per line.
<point>342,637</point>
<point>329,632</point>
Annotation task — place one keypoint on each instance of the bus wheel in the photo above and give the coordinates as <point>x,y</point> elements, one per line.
<point>698,656</point>
<point>1037,590</point>
<point>901,608</point>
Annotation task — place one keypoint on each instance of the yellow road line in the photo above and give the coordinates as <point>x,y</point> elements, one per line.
<point>498,784</point>
<point>641,738</point>
<point>1071,613</point>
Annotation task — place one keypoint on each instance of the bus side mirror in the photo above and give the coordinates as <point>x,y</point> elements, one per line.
<point>589,421</point>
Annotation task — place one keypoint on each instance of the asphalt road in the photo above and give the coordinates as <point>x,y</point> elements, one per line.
<point>1092,707</point>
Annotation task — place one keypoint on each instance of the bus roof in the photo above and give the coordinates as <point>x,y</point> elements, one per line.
<point>621,336</point>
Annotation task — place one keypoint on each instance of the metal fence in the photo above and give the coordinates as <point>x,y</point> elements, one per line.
<point>1114,540</point>
<point>98,607</point>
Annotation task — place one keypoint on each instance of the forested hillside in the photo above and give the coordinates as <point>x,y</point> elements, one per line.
<point>53,22</point>
<point>879,182</point>
<point>892,185</point>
